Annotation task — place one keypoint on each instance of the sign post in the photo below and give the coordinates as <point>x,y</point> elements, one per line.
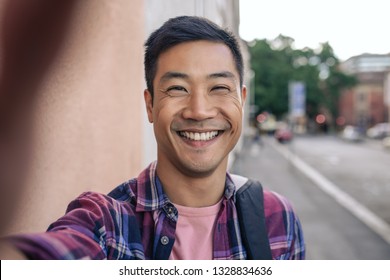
<point>297,105</point>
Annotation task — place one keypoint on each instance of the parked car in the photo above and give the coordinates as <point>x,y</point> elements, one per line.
<point>379,131</point>
<point>351,133</point>
<point>283,134</point>
<point>266,123</point>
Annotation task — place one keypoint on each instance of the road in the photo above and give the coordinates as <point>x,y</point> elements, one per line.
<point>335,223</point>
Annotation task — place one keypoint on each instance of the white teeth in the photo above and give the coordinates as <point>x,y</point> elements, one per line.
<point>199,136</point>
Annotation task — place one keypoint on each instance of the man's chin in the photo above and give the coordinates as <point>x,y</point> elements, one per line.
<point>200,169</point>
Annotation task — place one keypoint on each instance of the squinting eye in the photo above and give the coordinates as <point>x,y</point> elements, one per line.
<point>220,90</point>
<point>176,91</point>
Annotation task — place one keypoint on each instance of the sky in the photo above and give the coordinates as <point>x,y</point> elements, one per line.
<point>350,27</point>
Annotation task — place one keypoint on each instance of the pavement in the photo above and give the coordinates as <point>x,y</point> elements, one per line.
<point>331,231</point>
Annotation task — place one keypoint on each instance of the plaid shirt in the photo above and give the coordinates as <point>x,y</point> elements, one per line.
<point>137,221</point>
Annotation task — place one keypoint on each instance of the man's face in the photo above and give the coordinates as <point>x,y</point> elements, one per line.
<point>197,107</point>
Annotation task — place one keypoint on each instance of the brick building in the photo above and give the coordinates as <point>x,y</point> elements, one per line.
<point>364,105</point>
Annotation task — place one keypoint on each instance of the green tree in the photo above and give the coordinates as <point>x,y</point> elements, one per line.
<point>276,63</point>
<point>272,73</point>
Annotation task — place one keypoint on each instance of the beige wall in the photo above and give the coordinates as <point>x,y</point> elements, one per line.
<point>83,125</point>
<point>86,114</point>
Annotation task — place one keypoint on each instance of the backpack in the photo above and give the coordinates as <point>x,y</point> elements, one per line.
<point>250,211</point>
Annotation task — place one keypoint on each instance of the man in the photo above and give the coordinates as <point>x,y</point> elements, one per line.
<point>183,205</point>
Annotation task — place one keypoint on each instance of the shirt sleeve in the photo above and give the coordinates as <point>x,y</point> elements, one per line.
<point>89,230</point>
<point>284,228</point>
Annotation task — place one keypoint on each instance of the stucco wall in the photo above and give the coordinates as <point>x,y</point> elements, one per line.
<point>86,112</point>
<point>78,121</point>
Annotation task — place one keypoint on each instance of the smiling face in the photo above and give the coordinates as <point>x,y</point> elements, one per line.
<point>197,107</point>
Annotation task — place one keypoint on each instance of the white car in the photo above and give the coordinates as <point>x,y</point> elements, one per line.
<point>351,133</point>
<point>379,131</point>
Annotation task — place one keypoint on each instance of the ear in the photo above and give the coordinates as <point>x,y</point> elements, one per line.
<point>149,104</point>
<point>243,95</point>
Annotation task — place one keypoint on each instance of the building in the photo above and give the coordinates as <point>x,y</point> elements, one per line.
<point>365,104</point>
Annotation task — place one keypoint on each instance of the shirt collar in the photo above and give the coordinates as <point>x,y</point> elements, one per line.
<point>230,188</point>
<point>151,195</point>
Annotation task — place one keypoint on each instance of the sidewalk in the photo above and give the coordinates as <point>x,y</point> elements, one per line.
<point>331,232</point>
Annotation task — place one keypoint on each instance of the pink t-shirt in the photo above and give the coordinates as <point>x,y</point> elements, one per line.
<point>194,233</point>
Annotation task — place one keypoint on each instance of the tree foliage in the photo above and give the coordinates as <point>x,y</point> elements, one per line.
<point>276,63</point>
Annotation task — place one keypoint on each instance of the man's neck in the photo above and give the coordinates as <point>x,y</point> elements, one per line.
<point>192,191</point>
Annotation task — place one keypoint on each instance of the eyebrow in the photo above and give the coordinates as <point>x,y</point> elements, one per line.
<point>223,74</point>
<point>178,75</point>
<point>173,75</point>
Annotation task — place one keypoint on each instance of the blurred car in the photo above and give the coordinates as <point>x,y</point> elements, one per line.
<point>283,135</point>
<point>379,131</point>
<point>351,133</point>
<point>266,122</point>
<point>386,142</point>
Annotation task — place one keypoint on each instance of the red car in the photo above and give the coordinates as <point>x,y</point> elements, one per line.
<point>283,135</point>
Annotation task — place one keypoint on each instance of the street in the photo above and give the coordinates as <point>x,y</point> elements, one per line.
<point>340,190</point>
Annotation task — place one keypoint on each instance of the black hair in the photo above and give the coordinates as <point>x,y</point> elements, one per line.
<point>185,29</point>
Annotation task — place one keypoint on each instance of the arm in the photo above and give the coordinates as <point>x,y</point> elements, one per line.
<point>9,252</point>
<point>90,229</point>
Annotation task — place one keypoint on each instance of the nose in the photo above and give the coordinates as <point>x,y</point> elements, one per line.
<point>200,106</point>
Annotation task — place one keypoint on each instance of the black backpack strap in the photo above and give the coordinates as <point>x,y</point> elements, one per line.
<point>250,211</point>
